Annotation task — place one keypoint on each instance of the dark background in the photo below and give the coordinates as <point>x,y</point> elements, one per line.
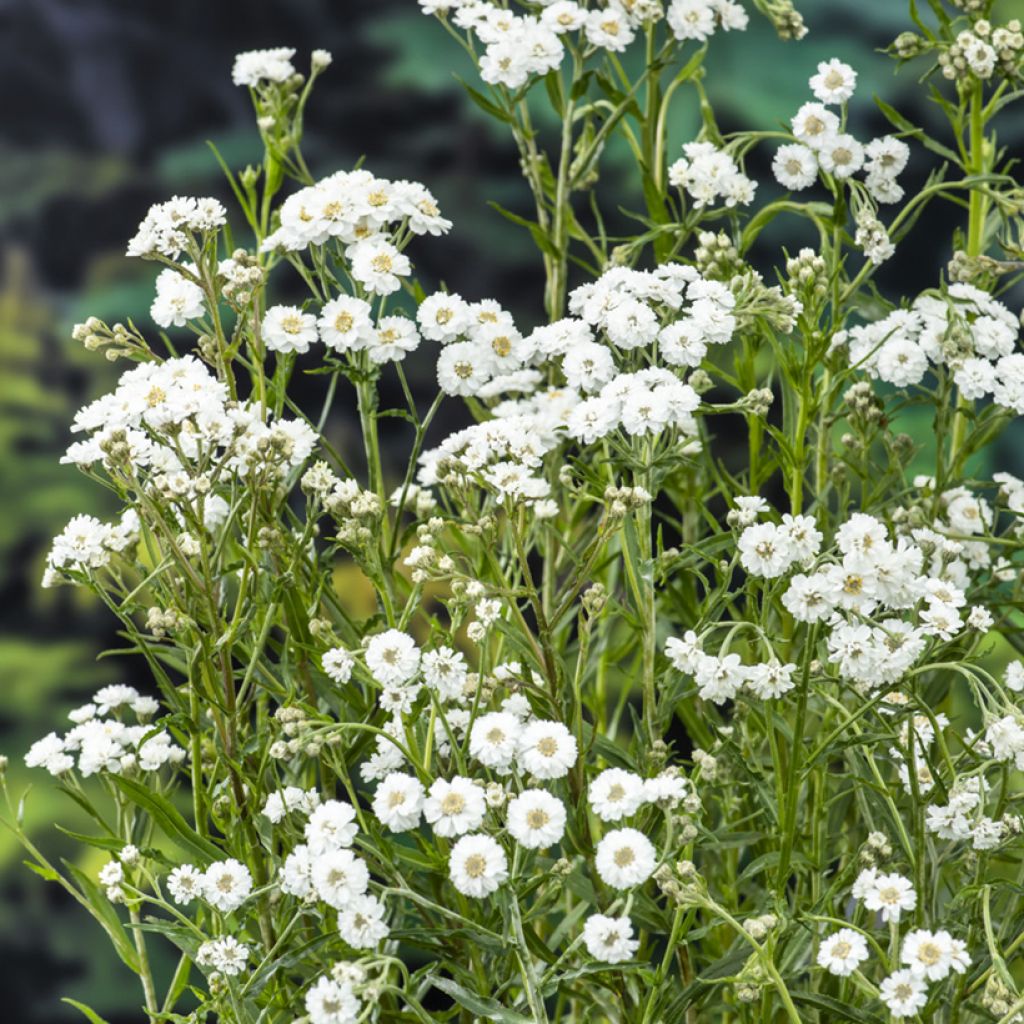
<point>105,107</point>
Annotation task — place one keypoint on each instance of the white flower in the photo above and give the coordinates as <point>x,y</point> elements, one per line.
<point>610,29</point>
<point>814,124</point>
<point>226,955</point>
<point>346,324</point>
<point>443,317</point>
<point>330,827</point>
<point>338,664</point>
<point>843,952</point>
<point>834,82</point>
<point>255,66</point>
<point>477,866</point>
<point>932,955</point>
<point>770,680</point>
<point>625,858</point>
<point>226,885</point>
<point>398,802</point>
<point>841,155</point>
<point>288,329</point>
<point>903,993</point>
<point>456,807</point>
<point>691,19</point>
<point>463,368</point>
<point>494,739</point>
<point>891,894</point>
<point>616,794</point>
<point>361,923</point>
<point>795,166</point>
<point>291,798</point>
<point>338,876</point>
<point>295,875</point>
<point>332,1002</point>
<point>185,884</point>
<point>764,550</point>
<point>536,819</point>
<point>547,750</point>
<point>392,657</point>
<point>177,300</point>
<point>378,266</point>
<point>392,339</point>
<point>609,939</point>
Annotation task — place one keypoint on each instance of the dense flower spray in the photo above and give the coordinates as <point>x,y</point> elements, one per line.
<point>685,692</point>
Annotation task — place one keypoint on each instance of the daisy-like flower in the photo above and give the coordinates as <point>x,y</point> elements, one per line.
<point>346,324</point>
<point>378,266</point>
<point>445,671</point>
<point>834,83</point>
<point>456,807</point>
<point>332,1002</point>
<point>185,884</point>
<point>814,124</point>
<point>288,329</point>
<point>338,876</point>
<point>463,368</point>
<point>398,802</point>
<point>443,317</point>
<point>226,955</point>
<point>843,952</point>
<point>393,338</point>
<point>841,155</point>
<point>547,750</point>
<point>616,794</point>
<point>338,664</point>
<point>625,858</point>
<point>932,955</point>
<point>536,819</point>
<point>331,826</point>
<point>494,739</point>
<point>226,885</point>
<point>903,993</point>
<point>891,894</point>
<point>392,657</point>
<point>477,866</point>
<point>361,924</point>
<point>609,939</point>
<point>795,166</point>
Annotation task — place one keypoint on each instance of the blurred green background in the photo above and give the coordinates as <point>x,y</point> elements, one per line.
<point>107,106</point>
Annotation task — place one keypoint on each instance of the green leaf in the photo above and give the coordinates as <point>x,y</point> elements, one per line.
<point>835,1009</point>
<point>169,818</point>
<point>91,1015</point>
<point>480,1005</point>
<point>489,108</point>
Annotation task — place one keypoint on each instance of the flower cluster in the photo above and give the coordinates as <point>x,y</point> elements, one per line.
<point>961,328</point>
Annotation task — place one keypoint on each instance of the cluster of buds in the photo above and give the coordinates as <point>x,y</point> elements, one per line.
<point>683,885</point>
<point>876,850</point>
<point>716,257</point>
<point>864,409</point>
<point>757,402</point>
<point>756,301</point>
<point>785,18</point>
<point>999,999</point>
<point>808,274</point>
<point>296,726</point>
<point>115,342</point>
<point>871,237</point>
<point>621,500</point>
<point>242,276</point>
